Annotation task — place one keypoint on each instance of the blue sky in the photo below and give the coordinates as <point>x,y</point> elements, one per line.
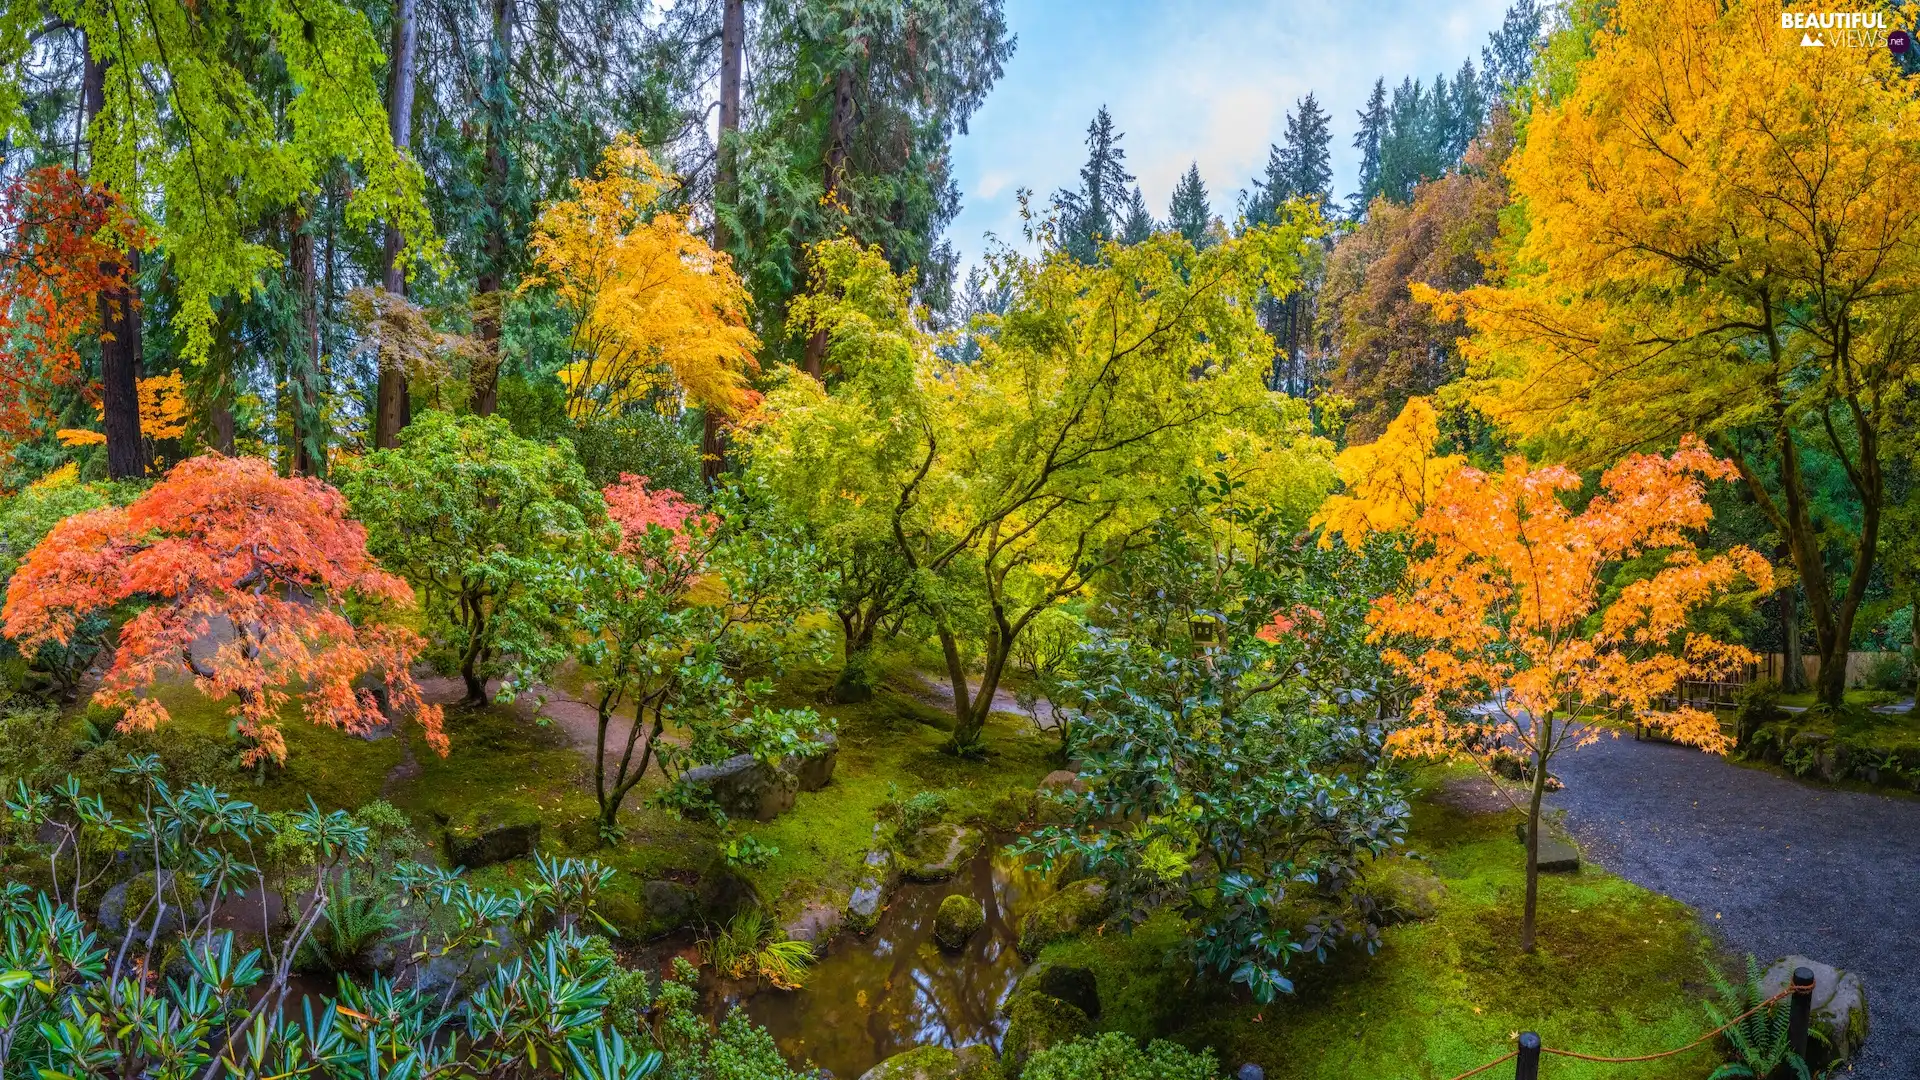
<point>1189,80</point>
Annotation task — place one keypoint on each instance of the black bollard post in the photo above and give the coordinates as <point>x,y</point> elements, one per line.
<point>1527,1065</point>
<point>1801,1012</point>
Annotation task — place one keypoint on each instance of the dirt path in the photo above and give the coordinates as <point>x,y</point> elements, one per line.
<point>571,715</point>
<point>938,691</point>
<point>1774,865</point>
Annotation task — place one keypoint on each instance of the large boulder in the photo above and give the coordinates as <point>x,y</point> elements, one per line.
<point>133,899</point>
<point>667,903</point>
<point>1074,908</point>
<point>959,918</point>
<point>491,834</point>
<point>863,907</point>
<point>1035,1022</point>
<point>1839,1006</point>
<point>811,772</point>
<point>937,1063</point>
<point>1070,983</point>
<point>938,851</point>
<point>743,786</point>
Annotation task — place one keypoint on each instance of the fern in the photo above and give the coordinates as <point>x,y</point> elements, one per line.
<point>1758,1039</point>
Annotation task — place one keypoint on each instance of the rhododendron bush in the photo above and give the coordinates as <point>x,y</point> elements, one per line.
<point>1514,644</point>
<point>239,579</point>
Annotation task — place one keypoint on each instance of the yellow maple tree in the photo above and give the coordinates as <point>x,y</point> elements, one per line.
<point>163,413</point>
<point>1388,481</point>
<point>656,309</point>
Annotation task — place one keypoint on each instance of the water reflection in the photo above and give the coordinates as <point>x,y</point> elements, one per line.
<point>870,998</point>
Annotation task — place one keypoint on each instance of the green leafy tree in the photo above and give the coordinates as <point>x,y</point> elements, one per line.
<point>1189,213</point>
<point>472,514</point>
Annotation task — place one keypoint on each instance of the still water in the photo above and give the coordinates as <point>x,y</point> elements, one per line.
<point>894,989</point>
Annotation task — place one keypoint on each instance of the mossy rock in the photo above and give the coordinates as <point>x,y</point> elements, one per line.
<point>491,833</point>
<point>938,851</point>
<point>1076,907</point>
<point>937,1063</point>
<point>1034,1023</point>
<point>1071,983</point>
<point>1405,892</point>
<point>959,918</point>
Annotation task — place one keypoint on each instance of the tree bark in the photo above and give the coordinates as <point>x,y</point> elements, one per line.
<point>390,394</point>
<point>120,348</point>
<point>484,380</point>
<point>733,36</point>
<point>1542,738</point>
<point>309,457</point>
<point>1793,674</point>
<point>839,133</point>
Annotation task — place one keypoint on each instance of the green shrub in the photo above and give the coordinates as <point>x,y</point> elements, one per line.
<point>1888,672</point>
<point>1115,1056</point>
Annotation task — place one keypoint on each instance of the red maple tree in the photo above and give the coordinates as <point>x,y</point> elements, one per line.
<point>242,580</point>
<point>65,251</point>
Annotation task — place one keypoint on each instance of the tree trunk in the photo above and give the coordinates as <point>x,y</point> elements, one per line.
<point>390,404</point>
<point>309,426</point>
<point>839,132</point>
<point>484,380</point>
<point>1542,738</point>
<point>119,327</point>
<point>1793,673</point>
<point>733,36</point>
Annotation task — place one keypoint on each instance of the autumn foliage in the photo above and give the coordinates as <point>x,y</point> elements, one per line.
<point>1387,481</point>
<point>241,580</point>
<point>655,309</point>
<point>1518,648</point>
<point>64,253</point>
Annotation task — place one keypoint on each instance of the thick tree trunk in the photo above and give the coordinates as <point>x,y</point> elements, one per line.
<point>390,404</point>
<point>1793,673</point>
<point>309,457</point>
<point>839,133</point>
<point>484,380</point>
<point>733,36</point>
<point>119,327</point>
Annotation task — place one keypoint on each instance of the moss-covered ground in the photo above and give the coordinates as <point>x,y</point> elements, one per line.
<point>1619,971</point>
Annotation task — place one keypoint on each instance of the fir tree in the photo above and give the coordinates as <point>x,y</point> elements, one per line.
<point>1469,112</point>
<point>1507,59</point>
<point>1368,140</point>
<point>1138,224</point>
<point>1188,213</point>
<point>1088,217</point>
<point>1305,160</point>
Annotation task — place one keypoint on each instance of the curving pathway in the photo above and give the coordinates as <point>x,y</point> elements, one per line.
<point>1774,865</point>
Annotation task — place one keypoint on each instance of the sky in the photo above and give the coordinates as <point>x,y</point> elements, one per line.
<point>1207,81</point>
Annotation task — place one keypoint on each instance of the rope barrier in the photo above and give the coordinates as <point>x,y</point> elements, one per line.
<point>1511,1054</point>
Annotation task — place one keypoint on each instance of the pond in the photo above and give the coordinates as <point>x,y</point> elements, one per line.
<point>894,989</point>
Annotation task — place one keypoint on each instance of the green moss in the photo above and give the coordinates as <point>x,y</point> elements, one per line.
<point>1034,1023</point>
<point>1618,971</point>
<point>959,918</point>
<point>1073,909</point>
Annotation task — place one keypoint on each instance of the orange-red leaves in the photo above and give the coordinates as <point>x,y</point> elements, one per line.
<point>243,578</point>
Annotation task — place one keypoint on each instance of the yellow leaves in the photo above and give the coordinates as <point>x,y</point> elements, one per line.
<point>65,476</point>
<point>1389,480</point>
<point>657,310</point>
<point>163,413</point>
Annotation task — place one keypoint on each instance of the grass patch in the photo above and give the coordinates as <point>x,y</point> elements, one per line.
<point>1619,971</point>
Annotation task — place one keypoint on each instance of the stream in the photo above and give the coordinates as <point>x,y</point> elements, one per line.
<point>874,996</point>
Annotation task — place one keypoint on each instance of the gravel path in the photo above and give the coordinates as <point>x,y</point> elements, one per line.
<point>1775,866</point>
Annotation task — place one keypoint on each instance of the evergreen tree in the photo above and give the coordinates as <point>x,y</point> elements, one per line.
<point>1507,59</point>
<point>1138,224</point>
<point>1469,112</point>
<point>1407,148</point>
<point>1305,159</point>
<point>1369,140</point>
<point>1188,213</point>
<point>1090,216</point>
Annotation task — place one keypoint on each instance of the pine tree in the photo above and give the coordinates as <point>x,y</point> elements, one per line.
<point>1138,224</point>
<point>1507,59</point>
<point>1469,112</point>
<point>1088,216</point>
<point>1368,140</point>
<point>1188,213</point>
<point>1406,147</point>
<point>1305,159</point>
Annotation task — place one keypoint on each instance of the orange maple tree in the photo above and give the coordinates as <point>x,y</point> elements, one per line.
<point>1508,602</point>
<point>242,580</point>
<point>64,252</point>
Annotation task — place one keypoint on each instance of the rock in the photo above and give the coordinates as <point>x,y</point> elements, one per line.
<point>130,899</point>
<point>743,786</point>
<point>815,923</point>
<point>936,1063</point>
<point>668,903</point>
<point>1839,1007</point>
<point>863,907</point>
<point>813,771</point>
<point>1035,1022</point>
<point>1064,914</point>
<point>1558,856</point>
<point>1406,893</point>
<point>959,918</point>
<point>1062,780</point>
<point>491,834</point>
<point>1250,1071</point>
<point>938,851</point>
<point>1070,983</point>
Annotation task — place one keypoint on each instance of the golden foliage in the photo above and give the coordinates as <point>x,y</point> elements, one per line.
<point>1389,480</point>
<point>656,309</point>
<point>163,413</point>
